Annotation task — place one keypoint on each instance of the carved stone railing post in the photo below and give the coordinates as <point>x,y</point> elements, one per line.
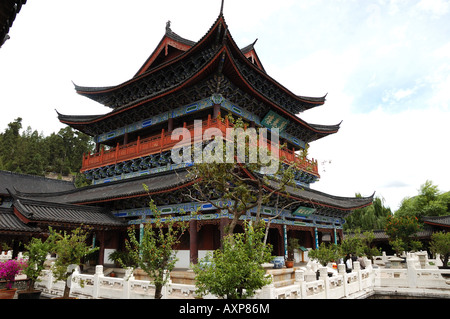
<point>127,279</point>
<point>96,281</point>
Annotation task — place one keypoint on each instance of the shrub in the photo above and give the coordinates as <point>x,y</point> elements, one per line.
<point>9,269</point>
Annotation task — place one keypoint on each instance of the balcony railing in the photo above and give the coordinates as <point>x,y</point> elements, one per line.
<point>164,142</point>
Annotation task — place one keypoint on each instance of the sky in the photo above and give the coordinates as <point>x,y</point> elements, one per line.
<point>384,65</point>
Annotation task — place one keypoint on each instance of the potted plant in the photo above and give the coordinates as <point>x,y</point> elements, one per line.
<point>37,251</point>
<point>8,271</point>
<point>292,245</point>
<point>122,258</point>
<point>92,258</point>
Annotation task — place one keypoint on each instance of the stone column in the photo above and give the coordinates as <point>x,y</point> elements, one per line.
<point>343,273</point>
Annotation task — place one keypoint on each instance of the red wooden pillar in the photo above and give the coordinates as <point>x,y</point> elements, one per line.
<point>170,125</point>
<point>101,251</point>
<point>193,244</point>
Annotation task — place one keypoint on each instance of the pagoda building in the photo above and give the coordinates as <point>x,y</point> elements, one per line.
<point>184,81</point>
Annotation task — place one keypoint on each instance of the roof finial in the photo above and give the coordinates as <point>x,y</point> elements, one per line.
<point>221,7</point>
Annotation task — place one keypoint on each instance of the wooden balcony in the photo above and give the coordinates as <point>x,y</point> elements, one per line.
<point>163,142</point>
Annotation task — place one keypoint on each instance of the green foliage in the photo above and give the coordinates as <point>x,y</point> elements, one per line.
<point>440,244</point>
<point>154,252</point>
<point>429,202</point>
<point>293,243</point>
<point>235,271</point>
<point>368,218</point>
<point>69,249</point>
<point>398,245</point>
<point>359,244</point>
<point>352,245</point>
<point>122,258</point>
<point>230,182</point>
<point>356,244</point>
<point>326,253</point>
<point>4,246</point>
<point>37,251</point>
<point>368,249</point>
<point>31,153</point>
<point>402,231</point>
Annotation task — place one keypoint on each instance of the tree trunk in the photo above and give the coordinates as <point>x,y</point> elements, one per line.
<point>158,289</point>
<point>232,225</point>
<point>445,261</point>
<point>259,206</point>
<point>66,292</point>
<point>31,285</point>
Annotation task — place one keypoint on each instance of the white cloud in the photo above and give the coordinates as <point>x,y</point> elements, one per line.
<point>396,95</point>
<point>436,7</point>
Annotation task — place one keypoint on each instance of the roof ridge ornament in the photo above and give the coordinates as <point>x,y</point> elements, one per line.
<point>221,7</point>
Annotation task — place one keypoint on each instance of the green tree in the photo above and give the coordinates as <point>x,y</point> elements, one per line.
<point>37,251</point>
<point>70,248</point>
<point>398,245</point>
<point>359,244</point>
<point>429,202</point>
<point>402,230</point>
<point>440,244</point>
<point>368,249</point>
<point>154,252</point>
<point>229,182</point>
<point>65,150</point>
<point>326,253</point>
<point>9,144</point>
<point>235,271</point>
<point>31,153</point>
<point>368,218</point>
<point>353,244</point>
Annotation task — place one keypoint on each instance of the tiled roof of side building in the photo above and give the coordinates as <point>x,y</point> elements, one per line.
<point>46,212</point>
<point>10,223</point>
<point>31,183</point>
<point>437,220</point>
<point>115,190</point>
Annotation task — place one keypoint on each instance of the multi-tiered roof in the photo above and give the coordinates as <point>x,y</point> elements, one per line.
<point>181,72</point>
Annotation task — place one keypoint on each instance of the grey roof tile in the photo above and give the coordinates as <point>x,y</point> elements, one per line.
<point>31,183</point>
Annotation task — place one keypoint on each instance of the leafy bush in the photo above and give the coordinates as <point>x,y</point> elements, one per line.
<point>9,269</point>
<point>326,253</point>
<point>235,271</point>
<point>440,244</point>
